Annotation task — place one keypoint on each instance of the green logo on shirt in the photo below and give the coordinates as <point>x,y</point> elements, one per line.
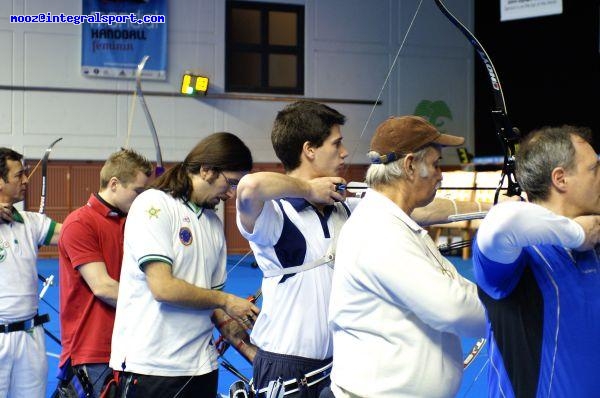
<point>153,212</point>
<point>2,254</point>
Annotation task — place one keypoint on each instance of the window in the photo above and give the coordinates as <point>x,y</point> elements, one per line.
<point>264,48</point>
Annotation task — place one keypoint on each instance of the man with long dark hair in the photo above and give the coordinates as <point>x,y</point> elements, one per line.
<point>172,276</point>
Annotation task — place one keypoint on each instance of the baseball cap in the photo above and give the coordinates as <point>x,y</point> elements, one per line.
<point>400,135</point>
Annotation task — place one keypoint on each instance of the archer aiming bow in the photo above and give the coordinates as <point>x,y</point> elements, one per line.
<point>508,134</point>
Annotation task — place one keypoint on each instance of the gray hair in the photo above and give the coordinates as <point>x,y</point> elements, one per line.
<point>541,152</point>
<point>384,174</point>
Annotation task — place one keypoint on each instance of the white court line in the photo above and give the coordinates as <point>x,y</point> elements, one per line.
<point>51,354</point>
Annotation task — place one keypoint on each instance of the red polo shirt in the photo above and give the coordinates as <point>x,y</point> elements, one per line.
<point>91,233</point>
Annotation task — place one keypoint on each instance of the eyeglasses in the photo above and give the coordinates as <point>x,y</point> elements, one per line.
<point>232,183</point>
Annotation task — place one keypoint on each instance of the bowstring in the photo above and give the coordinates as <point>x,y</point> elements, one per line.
<point>466,394</point>
<point>32,172</point>
<point>383,86</point>
<point>238,262</point>
<point>362,133</point>
<point>370,116</point>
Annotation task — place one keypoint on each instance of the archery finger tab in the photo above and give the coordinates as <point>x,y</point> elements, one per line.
<point>340,187</point>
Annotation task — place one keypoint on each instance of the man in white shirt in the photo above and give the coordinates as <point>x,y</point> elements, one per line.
<point>397,305</point>
<point>173,274</point>
<point>291,221</point>
<point>23,365</point>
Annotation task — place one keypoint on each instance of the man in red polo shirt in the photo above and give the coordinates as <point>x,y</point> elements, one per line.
<point>90,254</point>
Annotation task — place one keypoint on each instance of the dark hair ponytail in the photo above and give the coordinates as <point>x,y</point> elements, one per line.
<point>219,151</point>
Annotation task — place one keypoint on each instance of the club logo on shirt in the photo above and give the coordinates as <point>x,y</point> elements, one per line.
<point>4,245</point>
<point>153,212</point>
<point>185,236</point>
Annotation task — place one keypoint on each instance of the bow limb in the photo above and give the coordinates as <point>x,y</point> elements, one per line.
<point>44,162</point>
<point>140,94</point>
<point>49,281</point>
<point>508,134</point>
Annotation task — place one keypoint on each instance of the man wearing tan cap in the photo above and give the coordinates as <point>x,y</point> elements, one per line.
<point>397,306</point>
<point>292,221</point>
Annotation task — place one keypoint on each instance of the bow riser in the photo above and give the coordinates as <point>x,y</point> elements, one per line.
<point>45,175</point>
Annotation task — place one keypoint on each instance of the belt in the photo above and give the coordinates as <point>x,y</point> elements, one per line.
<point>293,385</point>
<point>24,325</point>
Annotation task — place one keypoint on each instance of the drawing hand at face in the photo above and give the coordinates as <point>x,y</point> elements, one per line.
<point>591,227</point>
<point>325,190</point>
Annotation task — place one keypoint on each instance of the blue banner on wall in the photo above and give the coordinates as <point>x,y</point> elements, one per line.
<point>118,34</point>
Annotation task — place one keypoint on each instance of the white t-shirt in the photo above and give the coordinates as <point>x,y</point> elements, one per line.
<point>293,317</point>
<point>19,242</point>
<point>161,339</point>
<point>397,308</point>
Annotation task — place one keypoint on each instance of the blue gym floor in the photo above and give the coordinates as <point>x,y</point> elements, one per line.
<point>244,280</point>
